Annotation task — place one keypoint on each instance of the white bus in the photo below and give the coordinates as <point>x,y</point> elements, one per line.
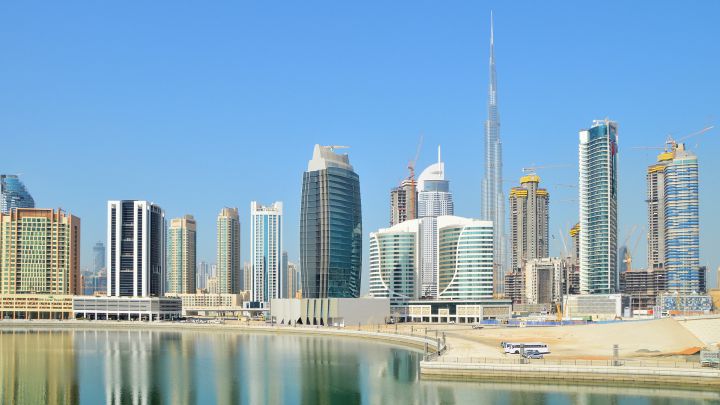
<point>516,348</point>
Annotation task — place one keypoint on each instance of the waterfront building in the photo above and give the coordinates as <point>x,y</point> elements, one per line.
<point>135,249</point>
<point>598,208</point>
<point>98,257</point>
<point>205,304</point>
<point>403,202</point>
<point>330,311</point>
<point>228,251</point>
<point>182,241</point>
<point>434,200</point>
<point>465,258</point>
<point>529,221</point>
<point>36,306</point>
<point>39,252</point>
<point>459,311</point>
<point>395,264</point>
<point>330,227</point>
<point>493,202</point>
<point>13,194</point>
<point>126,308</point>
<point>543,280</point>
<point>266,250</point>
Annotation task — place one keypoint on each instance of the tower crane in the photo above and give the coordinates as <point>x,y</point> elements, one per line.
<point>533,169</point>
<point>671,143</point>
<point>411,210</point>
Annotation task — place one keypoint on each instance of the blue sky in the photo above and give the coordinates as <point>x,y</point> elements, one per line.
<point>197,106</point>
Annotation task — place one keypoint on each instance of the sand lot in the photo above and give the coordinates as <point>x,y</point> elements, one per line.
<point>641,339</point>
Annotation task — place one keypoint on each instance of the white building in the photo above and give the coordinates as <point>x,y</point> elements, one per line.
<point>266,251</point>
<point>135,249</point>
<point>434,199</point>
<point>543,280</point>
<point>598,208</point>
<point>395,262</point>
<point>465,258</point>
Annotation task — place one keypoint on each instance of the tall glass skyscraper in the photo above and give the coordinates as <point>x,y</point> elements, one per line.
<point>135,249</point>
<point>266,254</point>
<point>330,227</point>
<point>674,218</point>
<point>598,208</point>
<point>13,194</point>
<point>493,202</point>
<point>434,200</point>
<point>98,257</point>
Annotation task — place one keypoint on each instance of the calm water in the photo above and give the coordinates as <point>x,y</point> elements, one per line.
<point>188,367</point>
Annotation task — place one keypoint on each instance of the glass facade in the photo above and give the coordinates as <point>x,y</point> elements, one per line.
<point>598,208</point>
<point>394,259</point>
<point>331,233</point>
<point>266,251</point>
<point>682,223</point>
<point>465,259</point>
<point>13,194</point>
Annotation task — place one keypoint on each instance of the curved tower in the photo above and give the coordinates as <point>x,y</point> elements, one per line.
<point>493,202</point>
<point>330,227</point>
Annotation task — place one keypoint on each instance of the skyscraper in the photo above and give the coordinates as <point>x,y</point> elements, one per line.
<point>395,262</point>
<point>403,202</point>
<point>434,200</point>
<point>202,275</point>
<point>292,280</point>
<point>493,202</point>
<point>135,249</point>
<point>529,219</point>
<point>182,239</point>
<point>98,257</point>
<point>674,218</point>
<point>13,194</point>
<point>228,251</point>
<point>39,252</point>
<point>330,227</point>
<point>247,277</point>
<point>266,227</point>
<point>598,208</point>
<point>465,258</point>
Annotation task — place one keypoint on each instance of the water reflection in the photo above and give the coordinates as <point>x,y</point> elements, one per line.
<point>151,367</point>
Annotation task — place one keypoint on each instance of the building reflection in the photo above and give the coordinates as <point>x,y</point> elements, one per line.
<point>37,367</point>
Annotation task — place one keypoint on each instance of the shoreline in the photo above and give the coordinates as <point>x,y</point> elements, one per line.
<point>697,379</point>
<point>415,343</point>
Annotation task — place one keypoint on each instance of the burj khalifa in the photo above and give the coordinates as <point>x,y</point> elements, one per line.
<point>493,200</point>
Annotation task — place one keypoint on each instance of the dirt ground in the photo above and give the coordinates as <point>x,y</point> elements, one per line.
<point>659,338</point>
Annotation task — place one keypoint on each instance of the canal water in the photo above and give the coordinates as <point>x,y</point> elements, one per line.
<point>218,367</point>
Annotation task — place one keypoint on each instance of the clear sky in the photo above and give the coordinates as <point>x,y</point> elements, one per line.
<point>200,105</point>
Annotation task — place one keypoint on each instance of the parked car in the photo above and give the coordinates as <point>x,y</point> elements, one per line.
<point>532,354</point>
<point>477,326</point>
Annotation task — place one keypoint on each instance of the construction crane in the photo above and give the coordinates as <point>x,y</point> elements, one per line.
<point>411,210</point>
<point>533,169</point>
<point>630,253</point>
<point>671,144</point>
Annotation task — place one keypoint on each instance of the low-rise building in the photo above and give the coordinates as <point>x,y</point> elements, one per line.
<point>595,306</point>
<point>459,311</point>
<point>543,280</point>
<point>36,306</point>
<point>126,308</point>
<point>211,304</point>
<point>330,311</point>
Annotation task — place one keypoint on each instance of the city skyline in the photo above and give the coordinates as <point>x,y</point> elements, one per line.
<point>456,122</point>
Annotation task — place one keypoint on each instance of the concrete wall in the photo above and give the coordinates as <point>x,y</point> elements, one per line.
<point>331,311</point>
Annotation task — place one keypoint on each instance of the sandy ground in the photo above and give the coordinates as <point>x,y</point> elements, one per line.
<point>644,339</point>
